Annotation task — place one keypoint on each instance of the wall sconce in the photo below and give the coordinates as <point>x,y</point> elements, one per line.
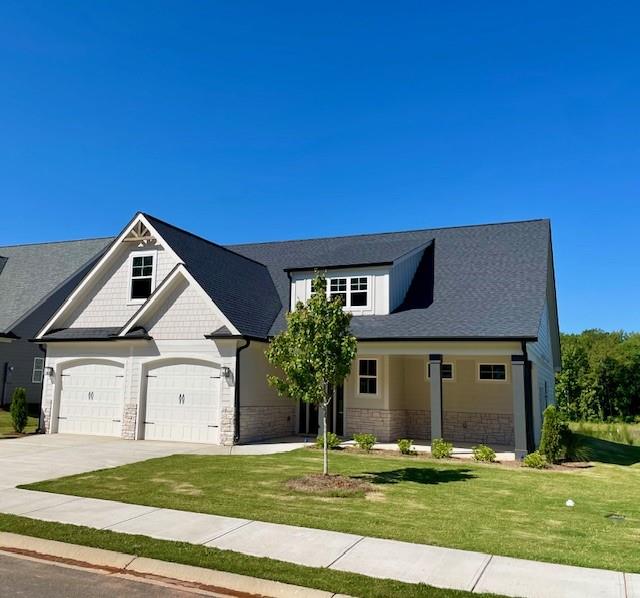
<point>49,371</point>
<point>226,372</point>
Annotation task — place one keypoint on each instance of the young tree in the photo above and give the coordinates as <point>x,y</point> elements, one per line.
<point>314,353</point>
<point>18,409</point>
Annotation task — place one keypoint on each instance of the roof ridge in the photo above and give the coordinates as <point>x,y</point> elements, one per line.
<point>56,242</point>
<point>200,238</point>
<point>397,232</point>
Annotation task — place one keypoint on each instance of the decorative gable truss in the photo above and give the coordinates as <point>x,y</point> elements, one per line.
<point>102,299</point>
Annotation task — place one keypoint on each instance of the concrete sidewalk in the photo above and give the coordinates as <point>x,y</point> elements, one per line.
<point>414,563</point>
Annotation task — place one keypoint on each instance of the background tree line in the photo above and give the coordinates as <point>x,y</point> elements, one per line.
<point>600,377</point>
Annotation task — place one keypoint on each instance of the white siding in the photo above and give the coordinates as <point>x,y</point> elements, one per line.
<point>541,355</point>
<point>400,278</point>
<point>106,301</point>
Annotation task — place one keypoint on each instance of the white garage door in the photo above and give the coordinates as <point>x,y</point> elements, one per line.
<point>92,399</point>
<point>183,403</point>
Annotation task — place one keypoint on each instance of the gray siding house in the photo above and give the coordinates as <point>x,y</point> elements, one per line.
<point>34,281</point>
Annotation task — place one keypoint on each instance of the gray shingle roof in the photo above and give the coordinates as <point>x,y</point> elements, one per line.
<point>85,334</point>
<point>241,287</point>
<point>490,281</point>
<point>32,272</point>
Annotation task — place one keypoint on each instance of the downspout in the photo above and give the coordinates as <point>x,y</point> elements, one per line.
<point>528,398</point>
<point>236,397</point>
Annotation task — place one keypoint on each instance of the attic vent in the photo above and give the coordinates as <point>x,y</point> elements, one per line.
<point>140,235</point>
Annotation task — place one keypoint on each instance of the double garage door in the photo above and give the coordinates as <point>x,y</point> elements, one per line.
<point>180,402</point>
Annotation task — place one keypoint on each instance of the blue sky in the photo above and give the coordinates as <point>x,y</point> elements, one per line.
<point>248,121</point>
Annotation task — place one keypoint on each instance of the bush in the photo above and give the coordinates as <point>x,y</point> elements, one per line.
<point>19,410</point>
<point>555,432</point>
<point>365,441</point>
<point>484,453</point>
<point>534,460</point>
<point>406,446</point>
<point>333,441</point>
<point>440,449</point>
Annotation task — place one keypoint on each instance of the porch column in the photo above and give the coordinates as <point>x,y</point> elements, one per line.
<point>435,377</point>
<point>519,409</point>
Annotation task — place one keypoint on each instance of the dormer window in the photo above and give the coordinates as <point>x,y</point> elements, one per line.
<point>141,277</point>
<point>353,291</point>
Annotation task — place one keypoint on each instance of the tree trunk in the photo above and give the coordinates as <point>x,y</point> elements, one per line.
<point>325,456</point>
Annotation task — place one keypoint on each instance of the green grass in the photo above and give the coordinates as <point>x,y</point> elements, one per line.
<point>614,431</point>
<point>506,511</point>
<point>224,560</point>
<point>6,426</point>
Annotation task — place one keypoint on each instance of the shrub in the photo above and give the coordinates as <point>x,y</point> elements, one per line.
<point>484,453</point>
<point>440,449</point>
<point>555,432</point>
<point>19,409</point>
<point>333,441</point>
<point>534,460</point>
<point>406,446</point>
<point>365,441</point>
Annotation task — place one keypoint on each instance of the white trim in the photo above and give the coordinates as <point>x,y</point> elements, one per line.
<point>153,253</point>
<point>357,392</point>
<point>492,380</point>
<point>98,267</point>
<point>37,369</point>
<point>453,371</point>
<point>355,309</point>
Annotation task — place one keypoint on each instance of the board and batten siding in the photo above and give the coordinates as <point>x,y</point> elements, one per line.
<point>541,355</point>
<point>400,278</point>
<point>106,301</point>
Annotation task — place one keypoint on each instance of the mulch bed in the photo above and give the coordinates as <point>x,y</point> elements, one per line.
<point>330,485</point>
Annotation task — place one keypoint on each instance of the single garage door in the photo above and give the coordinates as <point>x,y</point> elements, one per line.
<point>92,399</point>
<point>183,403</point>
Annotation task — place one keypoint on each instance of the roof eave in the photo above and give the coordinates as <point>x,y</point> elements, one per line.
<point>338,266</point>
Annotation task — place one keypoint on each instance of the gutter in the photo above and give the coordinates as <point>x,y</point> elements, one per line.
<point>236,395</point>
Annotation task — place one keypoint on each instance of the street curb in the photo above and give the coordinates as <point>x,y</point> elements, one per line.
<point>117,562</point>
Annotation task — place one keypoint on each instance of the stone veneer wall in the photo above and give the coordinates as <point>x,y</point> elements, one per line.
<point>260,423</point>
<point>488,428</point>
<point>226,426</point>
<point>390,425</point>
<point>46,418</point>
<point>129,418</point>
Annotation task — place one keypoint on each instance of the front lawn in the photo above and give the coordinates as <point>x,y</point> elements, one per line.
<point>6,426</point>
<point>494,509</point>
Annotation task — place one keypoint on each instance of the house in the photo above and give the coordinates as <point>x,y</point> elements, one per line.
<point>164,338</point>
<point>34,281</point>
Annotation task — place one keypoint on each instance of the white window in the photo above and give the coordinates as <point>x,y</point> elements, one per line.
<point>38,370</point>
<point>446,371</point>
<point>353,291</point>
<point>141,277</point>
<point>492,371</point>
<point>368,377</point>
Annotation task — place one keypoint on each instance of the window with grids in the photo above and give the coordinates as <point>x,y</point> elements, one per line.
<point>446,371</point>
<point>368,376</point>
<point>492,371</point>
<point>38,370</point>
<point>338,288</point>
<point>141,276</point>
<point>359,286</point>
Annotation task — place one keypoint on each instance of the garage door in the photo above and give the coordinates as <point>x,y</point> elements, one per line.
<point>183,403</point>
<point>91,399</point>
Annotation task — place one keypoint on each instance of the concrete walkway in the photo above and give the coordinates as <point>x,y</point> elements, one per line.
<point>442,567</point>
<point>44,457</point>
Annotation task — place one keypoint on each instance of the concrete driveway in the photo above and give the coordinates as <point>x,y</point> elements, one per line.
<point>47,456</point>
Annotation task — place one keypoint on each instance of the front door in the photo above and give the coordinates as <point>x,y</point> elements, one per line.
<point>309,417</point>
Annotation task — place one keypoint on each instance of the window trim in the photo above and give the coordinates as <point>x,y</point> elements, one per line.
<point>37,369</point>
<point>367,395</point>
<point>492,380</point>
<point>453,371</point>
<point>349,278</point>
<point>154,270</point>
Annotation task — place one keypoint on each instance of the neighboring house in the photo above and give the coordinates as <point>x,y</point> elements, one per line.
<point>34,281</point>
<point>164,338</point>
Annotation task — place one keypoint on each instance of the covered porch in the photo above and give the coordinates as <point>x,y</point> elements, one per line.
<point>465,392</point>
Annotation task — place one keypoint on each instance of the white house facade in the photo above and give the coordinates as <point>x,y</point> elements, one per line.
<point>164,337</point>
